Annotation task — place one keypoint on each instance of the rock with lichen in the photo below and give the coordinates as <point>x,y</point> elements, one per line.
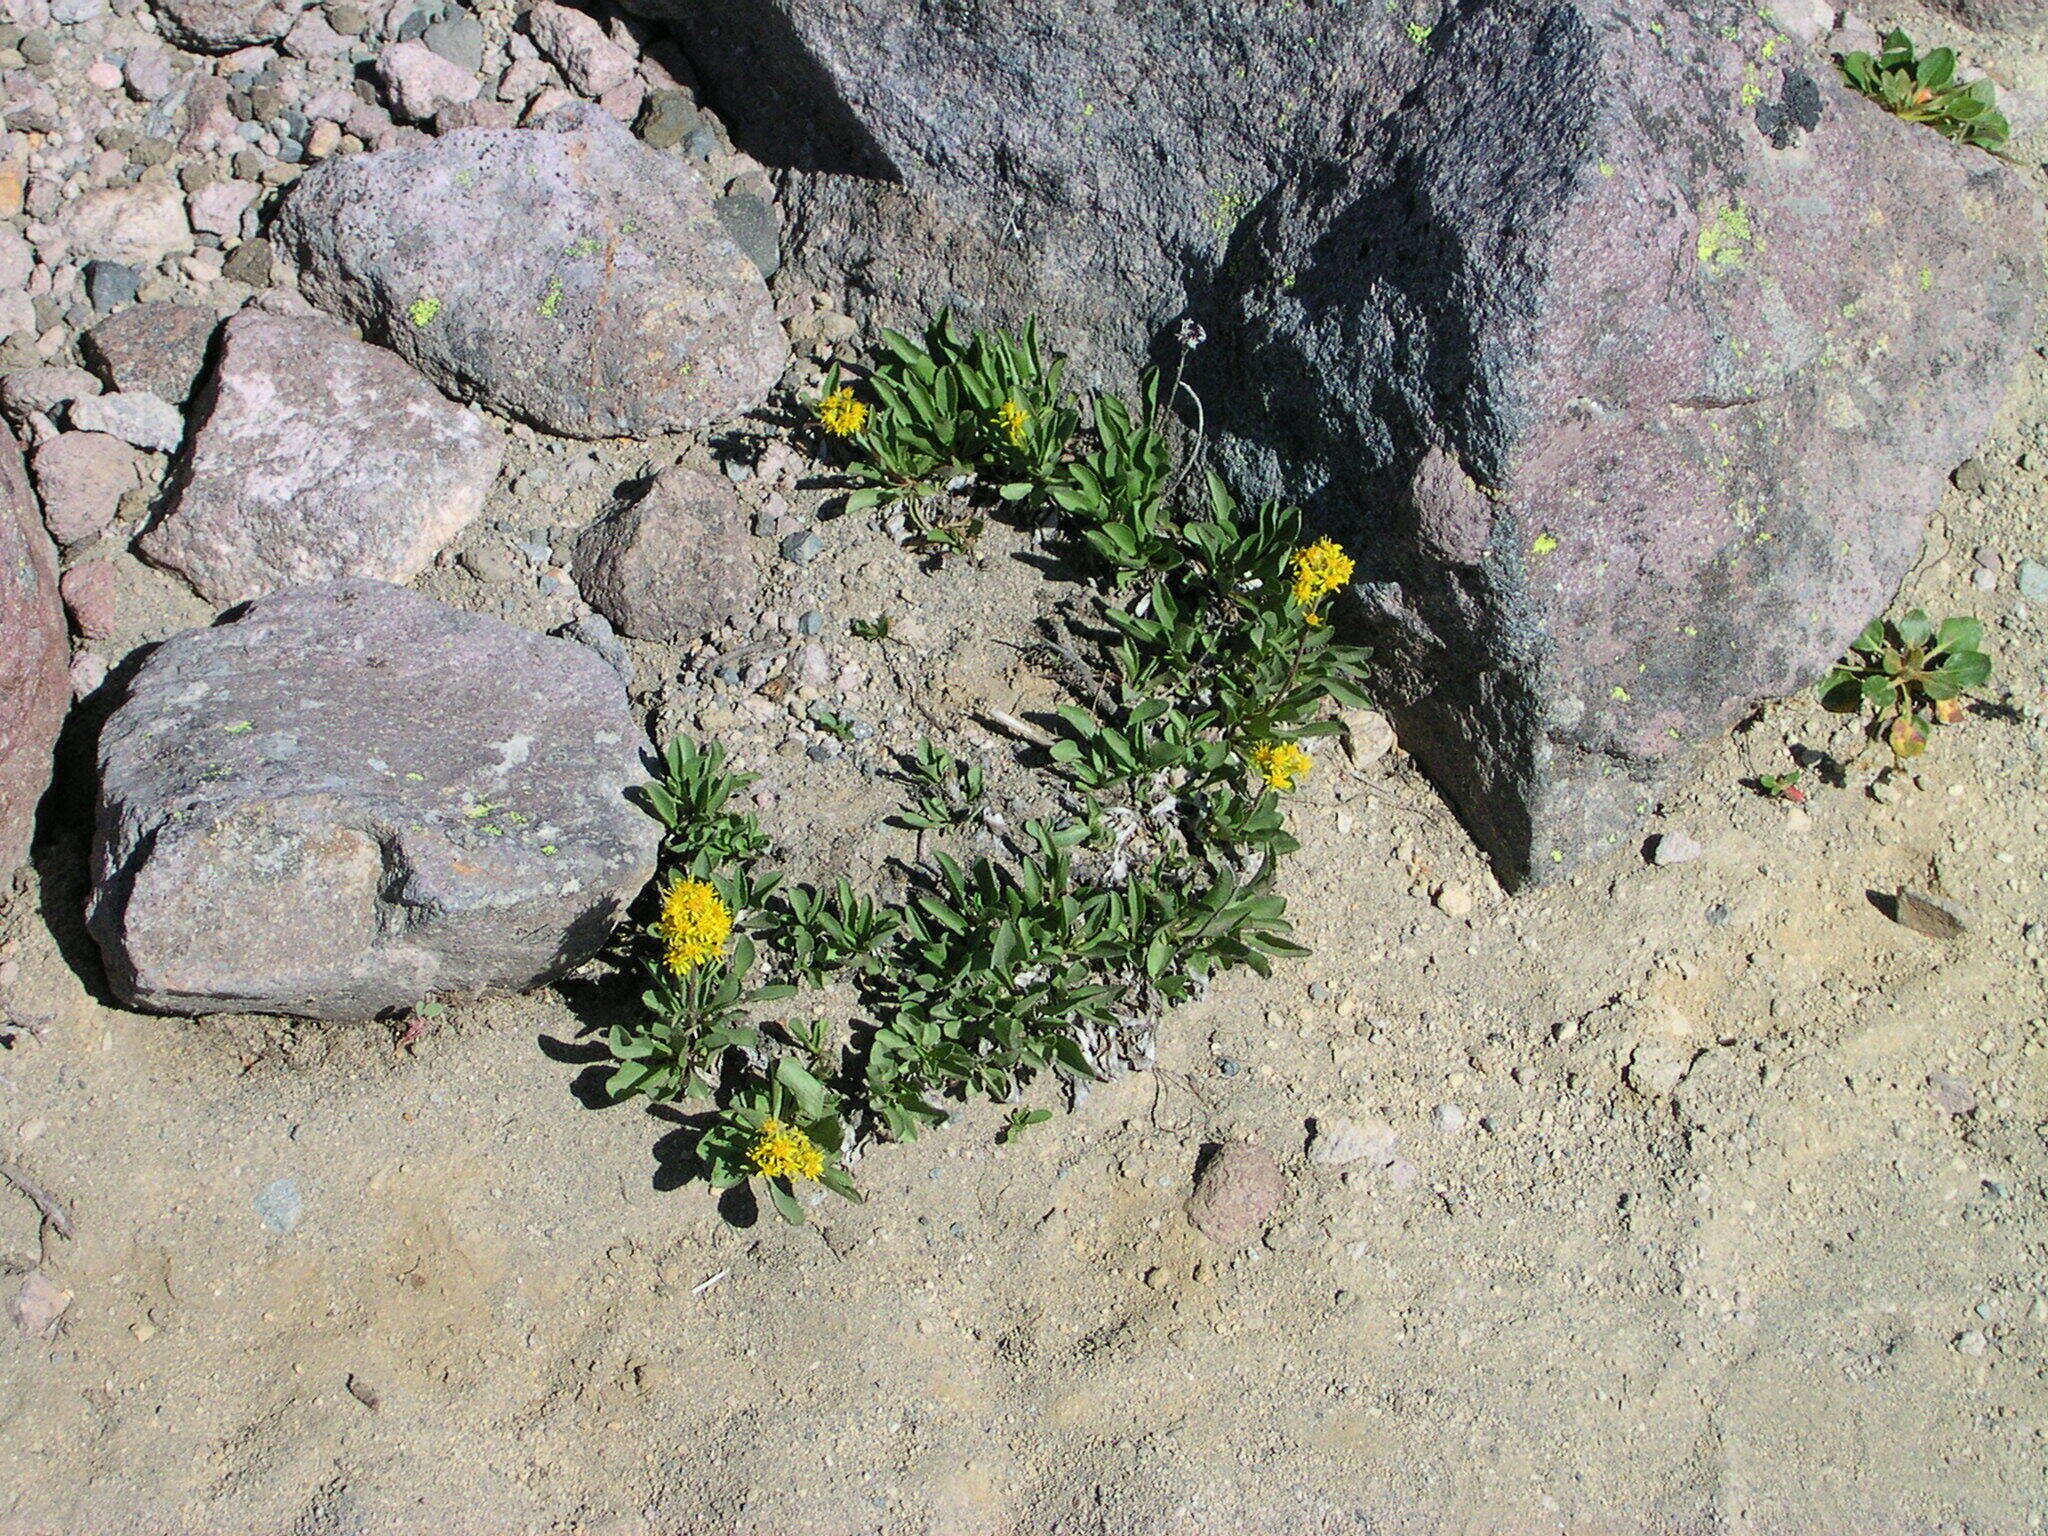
<point>352,797</point>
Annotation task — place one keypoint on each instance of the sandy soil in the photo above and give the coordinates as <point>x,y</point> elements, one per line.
<point>325,1282</point>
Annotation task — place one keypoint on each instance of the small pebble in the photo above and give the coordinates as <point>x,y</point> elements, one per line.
<point>1669,848</point>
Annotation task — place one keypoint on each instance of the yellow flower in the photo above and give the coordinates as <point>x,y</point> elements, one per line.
<point>1319,570</point>
<point>1014,420</point>
<point>783,1152</point>
<point>840,414</point>
<point>1281,762</point>
<point>693,926</point>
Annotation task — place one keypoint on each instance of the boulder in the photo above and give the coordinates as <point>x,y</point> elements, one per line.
<point>352,797</point>
<point>82,477</point>
<point>1581,325</point>
<point>566,275</point>
<point>674,564</point>
<point>222,26</point>
<point>158,348</point>
<point>35,661</point>
<point>318,456</point>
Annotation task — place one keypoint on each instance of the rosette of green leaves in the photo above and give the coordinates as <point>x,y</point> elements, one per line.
<point>1922,88</point>
<point>1116,489</point>
<point>1908,675</point>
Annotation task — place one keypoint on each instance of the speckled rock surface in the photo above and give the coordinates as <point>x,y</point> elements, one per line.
<point>568,275</point>
<point>35,657</point>
<point>159,347</point>
<point>221,26</point>
<point>1580,325</point>
<point>318,456</point>
<point>351,797</point>
<point>673,565</point>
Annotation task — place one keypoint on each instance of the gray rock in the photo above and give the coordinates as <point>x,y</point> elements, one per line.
<point>801,547</point>
<point>318,456</point>
<point>1631,459</point>
<point>2022,18</point>
<point>2033,581</point>
<point>459,39</point>
<point>569,276</point>
<point>222,26</point>
<point>751,223</point>
<point>25,391</point>
<point>1237,1189</point>
<point>352,797</point>
<point>35,662</point>
<point>576,43</point>
<point>673,565</point>
<point>158,348</point>
<point>109,285</point>
<point>135,416</point>
<point>665,117</point>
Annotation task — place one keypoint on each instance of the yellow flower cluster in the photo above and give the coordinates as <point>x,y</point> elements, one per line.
<point>783,1152</point>
<point>1015,422</point>
<point>693,926</point>
<point>1281,763</point>
<point>1319,570</point>
<point>840,414</point>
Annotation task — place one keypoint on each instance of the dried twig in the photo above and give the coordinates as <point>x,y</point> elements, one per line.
<point>54,1212</point>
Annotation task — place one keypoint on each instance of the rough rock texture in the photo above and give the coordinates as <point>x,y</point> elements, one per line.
<point>1236,1191</point>
<point>82,477</point>
<point>135,226</point>
<point>318,456</point>
<point>674,564</point>
<point>575,42</point>
<point>221,26</point>
<point>35,658</point>
<point>418,82</point>
<point>566,275</point>
<point>351,797</point>
<point>134,416</point>
<point>2016,16</point>
<point>1579,324</point>
<point>160,348</point>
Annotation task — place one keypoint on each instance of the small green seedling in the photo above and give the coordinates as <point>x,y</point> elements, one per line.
<point>1922,88</point>
<point>1782,786</point>
<point>1908,675</point>
<point>949,791</point>
<point>876,628</point>
<point>1020,1121</point>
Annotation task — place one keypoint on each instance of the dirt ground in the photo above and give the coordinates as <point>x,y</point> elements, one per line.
<point>1719,1203</point>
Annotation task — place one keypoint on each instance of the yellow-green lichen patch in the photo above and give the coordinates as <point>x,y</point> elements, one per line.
<point>424,309</point>
<point>1727,238</point>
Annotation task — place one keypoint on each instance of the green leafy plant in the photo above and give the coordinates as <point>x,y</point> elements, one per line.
<point>1922,88</point>
<point>1783,786</point>
<point>1908,675</point>
<point>1215,669</point>
<point>876,628</point>
<point>948,791</point>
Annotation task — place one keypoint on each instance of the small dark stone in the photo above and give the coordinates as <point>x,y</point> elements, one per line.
<point>751,223</point>
<point>415,26</point>
<point>1925,915</point>
<point>152,152</point>
<point>700,143</point>
<point>249,165</point>
<point>159,349</point>
<point>1968,476</point>
<point>35,48</point>
<point>265,101</point>
<point>110,285</point>
<point>196,175</point>
<point>251,263</point>
<point>348,18</point>
<point>801,547</point>
<point>666,117</point>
